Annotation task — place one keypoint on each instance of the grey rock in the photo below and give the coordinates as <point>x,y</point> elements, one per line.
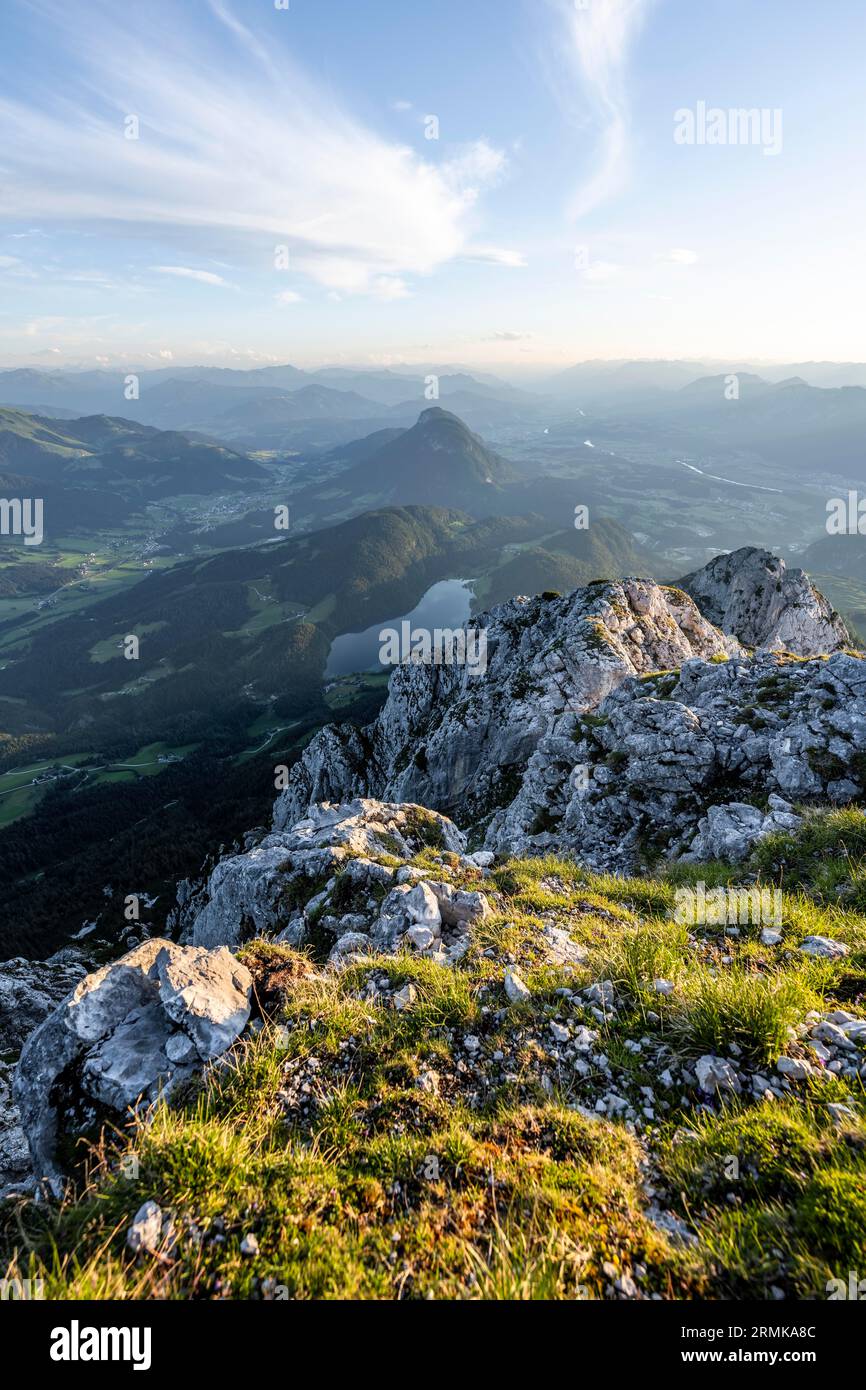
<point>515,989</point>
<point>145,1232</point>
<point>755,597</point>
<point>422,938</point>
<point>404,998</point>
<point>256,893</point>
<point>822,946</point>
<point>108,1042</point>
<point>207,994</point>
<point>715,1074</point>
<point>350,944</point>
<point>795,1068</point>
<point>423,907</point>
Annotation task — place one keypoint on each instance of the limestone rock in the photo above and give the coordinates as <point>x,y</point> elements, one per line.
<point>112,1040</point>
<point>755,597</point>
<point>715,1074</point>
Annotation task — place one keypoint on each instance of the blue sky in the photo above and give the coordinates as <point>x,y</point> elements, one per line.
<point>554,219</point>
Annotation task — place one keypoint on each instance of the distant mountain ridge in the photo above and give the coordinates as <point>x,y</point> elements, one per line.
<point>137,461</point>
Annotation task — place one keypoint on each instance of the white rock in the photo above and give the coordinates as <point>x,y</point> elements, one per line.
<point>663,987</point>
<point>715,1074</point>
<point>795,1068</point>
<point>769,937</point>
<point>515,988</point>
<point>422,906</point>
<point>145,1233</point>
<point>422,938</point>
<point>405,997</point>
<point>831,1033</point>
<point>249,1245</point>
<point>823,946</point>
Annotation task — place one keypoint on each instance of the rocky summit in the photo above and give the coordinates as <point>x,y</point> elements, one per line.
<point>549,982</point>
<point>611,720</point>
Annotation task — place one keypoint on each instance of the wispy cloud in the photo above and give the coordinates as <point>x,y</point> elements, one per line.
<point>598,37</point>
<point>245,154</point>
<point>495,255</point>
<point>204,277</point>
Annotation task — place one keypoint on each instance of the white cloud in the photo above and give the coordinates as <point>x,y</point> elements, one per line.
<point>495,255</point>
<point>679,255</point>
<point>6,262</point>
<point>205,277</point>
<point>289,297</point>
<point>476,167</point>
<point>598,272</point>
<point>390,287</point>
<point>249,153</point>
<point>599,39</point>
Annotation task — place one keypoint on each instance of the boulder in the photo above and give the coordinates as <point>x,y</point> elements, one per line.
<point>127,1033</point>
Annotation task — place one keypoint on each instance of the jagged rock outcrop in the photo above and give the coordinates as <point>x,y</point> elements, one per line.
<point>497,751</point>
<point>124,1034</point>
<point>670,761</point>
<point>342,874</point>
<point>460,742</point>
<point>276,886</point>
<point>580,739</point>
<point>754,595</point>
<point>29,990</point>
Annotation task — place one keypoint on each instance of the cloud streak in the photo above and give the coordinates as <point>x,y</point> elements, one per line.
<point>241,154</point>
<point>598,40</point>
<point>204,277</point>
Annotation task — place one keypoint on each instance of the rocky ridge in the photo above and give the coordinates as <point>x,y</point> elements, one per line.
<point>499,752</point>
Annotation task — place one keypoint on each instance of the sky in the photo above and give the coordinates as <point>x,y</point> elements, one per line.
<point>510,184</point>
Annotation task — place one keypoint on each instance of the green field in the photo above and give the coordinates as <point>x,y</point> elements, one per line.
<point>21,791</point>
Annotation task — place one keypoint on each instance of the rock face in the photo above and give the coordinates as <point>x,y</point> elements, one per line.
<point>29,990</point>
<point>678,762</point>
<point>325,876</point>
<point>264,890</point>
<point>568,687</point>
<point>128,1032</point>
<point>753,594</point>
<point>460,742</point>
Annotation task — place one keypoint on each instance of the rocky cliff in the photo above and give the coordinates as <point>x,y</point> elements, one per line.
<point>495,752</point>
<point>617,725</point>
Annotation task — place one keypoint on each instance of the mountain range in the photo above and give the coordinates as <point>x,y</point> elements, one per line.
<point>135,462</point>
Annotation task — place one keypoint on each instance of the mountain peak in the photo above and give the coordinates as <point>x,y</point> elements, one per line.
<point>460,745</point>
